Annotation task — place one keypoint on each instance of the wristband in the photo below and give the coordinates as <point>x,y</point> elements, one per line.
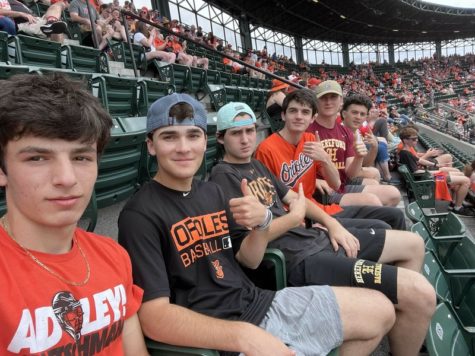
<point>266,223</point>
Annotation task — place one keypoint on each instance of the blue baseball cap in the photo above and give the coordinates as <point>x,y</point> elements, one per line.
<point>228,113</point>
<point>158,114</point>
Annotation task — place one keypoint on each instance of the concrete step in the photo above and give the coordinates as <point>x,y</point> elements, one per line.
<point>68,41</point>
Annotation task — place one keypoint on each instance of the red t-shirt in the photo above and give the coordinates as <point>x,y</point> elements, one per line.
<point>338,143</point>
<point>291,166</point>
<point>40,314</point>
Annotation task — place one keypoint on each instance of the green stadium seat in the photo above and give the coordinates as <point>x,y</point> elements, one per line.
<point>176,74</point>
<point>151,90</point>
<point>3,46</point>
<point>233,94</point>
<point>226,78</point>
<point>85,59</point>
<point>119,165</point>
<point>420,187</point>
<point>198,80</point>
<point>446,335</point>
<point>6,71</point>
<point>213,77</point>
<point>117,94</point>
<point>217,95</point>
<point>37,52</point>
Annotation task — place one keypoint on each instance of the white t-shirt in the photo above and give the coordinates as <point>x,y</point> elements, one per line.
<point>138,37</point>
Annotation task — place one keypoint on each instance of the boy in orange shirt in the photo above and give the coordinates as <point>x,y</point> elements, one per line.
<point>64,290</point>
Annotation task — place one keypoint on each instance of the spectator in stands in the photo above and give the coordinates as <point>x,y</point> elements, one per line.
<point>47,26</point>
<point>299,159</point>
<point>144,13</point>
<point>207,291</point>
<point>52,132</point>
<point>458,183</point>
<point>153,43</point>
<point>469,171</point>
<point>111,25</point>
<point>175,46</point>
<point>220,46</point>
<point>275,98</point>
<point>346,153</point>
<point>79,13</point>
<point>312,83</point>
<point>377,150</point>
<point>315,256</point>
<point>211,40</point>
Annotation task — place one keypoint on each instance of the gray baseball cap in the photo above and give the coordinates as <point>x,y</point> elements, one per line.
<point>158,114</point>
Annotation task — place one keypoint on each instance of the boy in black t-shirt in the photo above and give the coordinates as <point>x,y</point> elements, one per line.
<point>314,256</point>
<point>185,252</point>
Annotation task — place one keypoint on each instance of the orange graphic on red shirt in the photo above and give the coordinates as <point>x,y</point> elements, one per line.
<point>219,269</point>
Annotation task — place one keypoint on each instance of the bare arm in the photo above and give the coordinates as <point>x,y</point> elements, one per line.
<point>17,14</point>
<point>248,211</point>
<point>132,337</point>
<point>76,18</point>
<point>177,325</point>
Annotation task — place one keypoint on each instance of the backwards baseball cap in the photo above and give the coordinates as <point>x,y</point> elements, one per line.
<point>327,87</point>
<point>159,113</point>
<point>228,113</point>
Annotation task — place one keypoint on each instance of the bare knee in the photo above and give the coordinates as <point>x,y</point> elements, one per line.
<point>417,297</point>
<point>365,313</point>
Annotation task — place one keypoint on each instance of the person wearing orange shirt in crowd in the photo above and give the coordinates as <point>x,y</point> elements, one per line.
<point>296,156</point>
<point>174,45</point>
<point>64,290</point>
<point>459,184</point>
<point>153,43</point>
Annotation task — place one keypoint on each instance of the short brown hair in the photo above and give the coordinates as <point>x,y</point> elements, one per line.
<point>50,106</point>
<point>407,132</point>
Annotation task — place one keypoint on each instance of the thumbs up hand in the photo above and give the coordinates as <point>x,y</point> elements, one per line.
<point>247,210</point>
<point>317,136</point>
<point>360,148</point>
<point>315,150</point>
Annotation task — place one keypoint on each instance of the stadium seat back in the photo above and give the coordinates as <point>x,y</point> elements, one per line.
<point>37,52</point>
<point>118,95</point>
<point>119,165</point>
<point>445,336</point>
<point>86,59</point>
<point>151,90</point>
<point>3,46</point>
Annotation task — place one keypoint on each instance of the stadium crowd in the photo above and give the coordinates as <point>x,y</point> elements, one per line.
<point>320,190</point>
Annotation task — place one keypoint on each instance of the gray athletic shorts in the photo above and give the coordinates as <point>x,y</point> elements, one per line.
<point>307,319</point>
<point>335,197</point>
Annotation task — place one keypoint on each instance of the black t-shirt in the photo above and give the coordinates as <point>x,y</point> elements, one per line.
<point>407,158</point>
<point>297,243</point>
<point>181,248</point>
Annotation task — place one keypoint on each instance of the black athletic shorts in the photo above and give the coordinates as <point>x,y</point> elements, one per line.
<point>332,268</point>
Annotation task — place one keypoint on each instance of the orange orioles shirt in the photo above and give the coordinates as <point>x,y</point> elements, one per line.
<point>42,315</point>
<point>288,163</point>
